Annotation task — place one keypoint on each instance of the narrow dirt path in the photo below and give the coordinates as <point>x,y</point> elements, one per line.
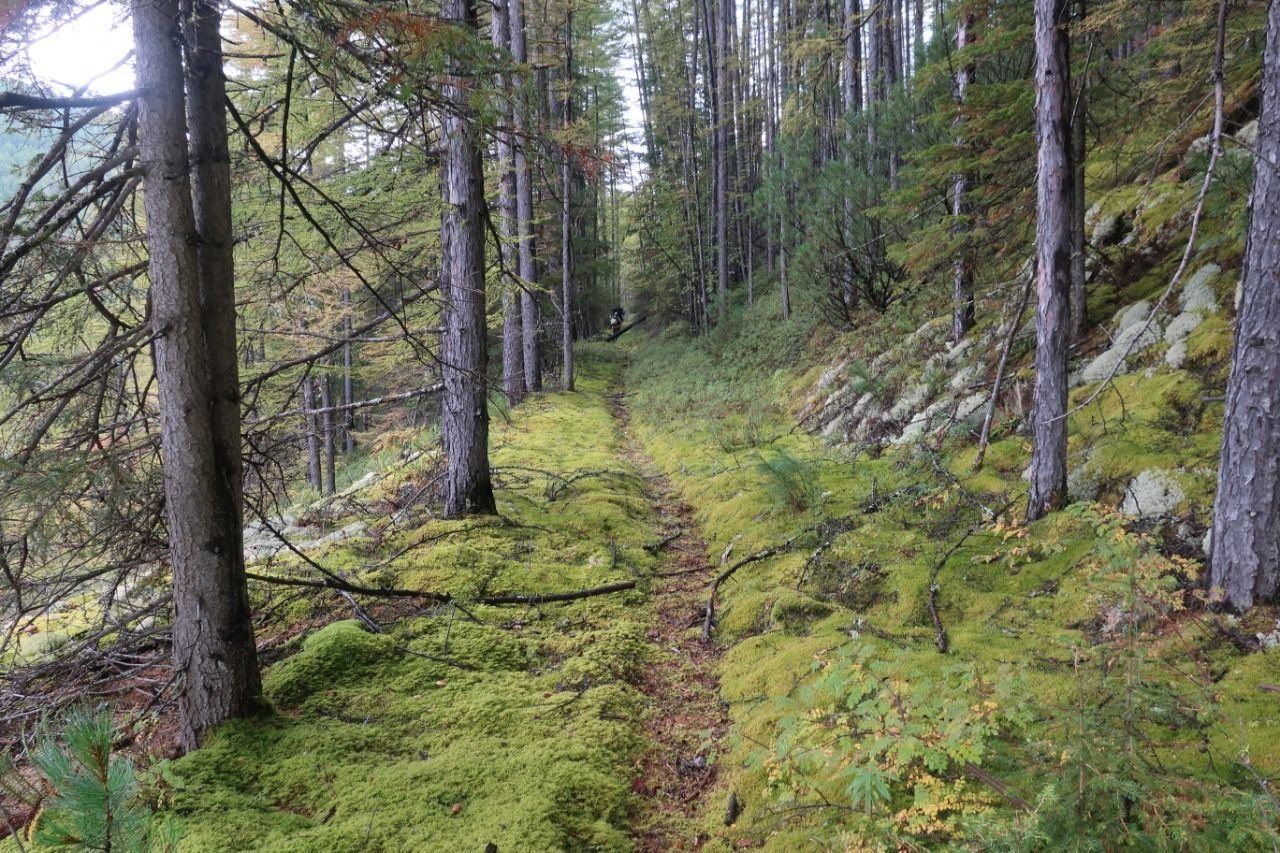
<point>687,722</point>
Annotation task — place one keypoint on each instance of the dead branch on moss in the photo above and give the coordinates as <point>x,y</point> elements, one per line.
<point>665,541</point>
<point>939,632</point>
<point>973,771</point>
<point>708,620</point>
<point>984,437</point>
<point>551,597</point>
<point>345,588</point>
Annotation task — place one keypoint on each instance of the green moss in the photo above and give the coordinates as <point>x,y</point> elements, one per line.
<point>335,655</point>
<point>463,726</point>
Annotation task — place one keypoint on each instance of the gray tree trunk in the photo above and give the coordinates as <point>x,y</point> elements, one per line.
<point>512,319</point>
<point>721,118</point>
<point>312,432</point>
<point>962,264</point>
<point>530,321</point>
<point>1053,260</point>
<point>330,444</point>
<point>566,217</point>
<point>348,390</point>
<point>1079,141</point>
<point>464,415</point>
<point>1245,558</point>
<point>193,315</point>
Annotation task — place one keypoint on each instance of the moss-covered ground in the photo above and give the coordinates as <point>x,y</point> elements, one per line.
<point>458,727</point>
<point>1086,699</point>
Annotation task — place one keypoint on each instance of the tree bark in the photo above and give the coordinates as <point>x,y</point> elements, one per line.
<point>330,445</point>
<point>962,264</point>
<point>1053,260</point>
<point>530,321</point>
<point>1079,142</point>
<point>1245,553</point>
<point>348,389</point>
<point>464,416</point>
<point>312,433</point>
<point>566,217</point>
<point>513,377</point>
<point>193,314</point>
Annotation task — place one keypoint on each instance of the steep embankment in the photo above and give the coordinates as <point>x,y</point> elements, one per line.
<point>530,727</point>
<point>906,663</point>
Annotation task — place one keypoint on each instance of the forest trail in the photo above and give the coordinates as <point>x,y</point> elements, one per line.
<point>687,721</point>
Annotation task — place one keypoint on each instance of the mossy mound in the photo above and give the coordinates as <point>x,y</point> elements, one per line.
<point>465,726</point>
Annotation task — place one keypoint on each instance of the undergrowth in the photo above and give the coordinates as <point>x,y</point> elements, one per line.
<point>1087,699</point>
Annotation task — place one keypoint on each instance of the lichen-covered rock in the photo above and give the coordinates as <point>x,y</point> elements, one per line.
<point>1128,317</point>
<point>1197,294</point>
<point>1151,494</point>
<point>1084,482</point>
<point>1176,334</point>
<point>1106,230</point>
<point>910,400</point>
<point>1248,134</point>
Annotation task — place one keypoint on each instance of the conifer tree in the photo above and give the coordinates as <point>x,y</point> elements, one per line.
<point>1053,260</point>
<point>1245,555</point>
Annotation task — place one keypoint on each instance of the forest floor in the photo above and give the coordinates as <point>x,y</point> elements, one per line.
<point>687,721</point>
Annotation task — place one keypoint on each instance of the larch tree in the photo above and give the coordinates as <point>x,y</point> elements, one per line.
<point>1245,553</point>
<point>513,374</point>
<point>464,415</point>
<point>1053,260</point>
<point>187,201</point>
<point>962,312</point>
<point>530,314</point>
<point>566,215</point>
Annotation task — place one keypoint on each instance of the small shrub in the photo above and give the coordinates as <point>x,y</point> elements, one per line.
<point>791,482</point>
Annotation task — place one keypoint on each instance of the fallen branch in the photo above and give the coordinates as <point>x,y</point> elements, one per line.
<point>973,771</point>
<point>708,619</point>
<point>939,632</point>
<point>984,438</point>
<point>341,586</point>
<point>658,546</point>
<point>531,598</point>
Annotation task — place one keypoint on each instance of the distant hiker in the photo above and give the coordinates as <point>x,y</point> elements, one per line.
<point>615,321</point>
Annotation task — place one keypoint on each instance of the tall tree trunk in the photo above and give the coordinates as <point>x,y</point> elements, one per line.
<point>962,263</point>
<point>193,314</point>
<point>1245,558</point>
<point>513,376</point>
<point>1079,112</point>
<point>566,216</point>
<point>348,390</point>
<point>530,321</point>
<point>851,83</point>
<point>464,416</point>
<point>722,120</point>
<point>330,444</point>
<point>309,407</point>
<point>1053,259</point>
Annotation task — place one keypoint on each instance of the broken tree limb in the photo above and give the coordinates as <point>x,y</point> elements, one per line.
<point>378,401</point>
<point>665,541</point>
<point>973,771</point>
<point>548,598</point>
<point>939,632</point>
<point>984,438</point>
<point>23,101</point>
<point>343,587</point>
<point>708,620</point>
